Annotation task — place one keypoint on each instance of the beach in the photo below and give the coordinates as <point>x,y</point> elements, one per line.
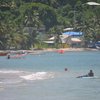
<point>37,51</point>
<point>55,50</point>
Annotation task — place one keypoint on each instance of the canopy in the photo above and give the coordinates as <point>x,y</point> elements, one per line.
<point>71,33</point>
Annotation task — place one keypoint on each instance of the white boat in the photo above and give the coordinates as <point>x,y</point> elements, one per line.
<point>9,56</point>
<point>18,56</point>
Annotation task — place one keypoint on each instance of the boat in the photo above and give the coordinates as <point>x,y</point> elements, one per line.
<point>19,55</point>
<point>3,53</point>
<point>60,51</point>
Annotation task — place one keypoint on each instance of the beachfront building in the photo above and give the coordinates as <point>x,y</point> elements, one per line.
<point>70,39</point>
<point>74,38</point>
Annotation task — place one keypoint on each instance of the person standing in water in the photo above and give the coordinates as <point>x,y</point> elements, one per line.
<point>8,56</point>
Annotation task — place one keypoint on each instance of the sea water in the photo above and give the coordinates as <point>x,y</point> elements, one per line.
<point>43,76</point>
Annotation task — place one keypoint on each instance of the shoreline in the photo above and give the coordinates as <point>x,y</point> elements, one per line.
<point>60,50</point>
<point>71,49</point>
<point>52,49</point>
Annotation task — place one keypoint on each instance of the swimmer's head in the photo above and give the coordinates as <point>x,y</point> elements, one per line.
<point>66,69</point>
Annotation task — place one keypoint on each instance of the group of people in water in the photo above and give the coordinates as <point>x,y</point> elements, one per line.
<point>90,74</point>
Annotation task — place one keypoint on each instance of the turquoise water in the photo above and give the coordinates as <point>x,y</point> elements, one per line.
<point>42,77</point>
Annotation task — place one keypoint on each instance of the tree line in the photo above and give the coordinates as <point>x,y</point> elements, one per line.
<point>22,21</point>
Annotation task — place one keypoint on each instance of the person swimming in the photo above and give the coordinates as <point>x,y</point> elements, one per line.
<point>66,69</point>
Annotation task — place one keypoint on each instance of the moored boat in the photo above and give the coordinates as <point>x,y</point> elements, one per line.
<point>3,53</point>
<point>16,54</point>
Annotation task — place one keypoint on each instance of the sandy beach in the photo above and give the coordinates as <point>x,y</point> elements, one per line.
<point>69,49</point>
<point>37,51</point>
<point>60,50</point>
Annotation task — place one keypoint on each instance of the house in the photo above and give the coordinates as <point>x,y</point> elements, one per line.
<point>71,38</point>
<point>74,38</point>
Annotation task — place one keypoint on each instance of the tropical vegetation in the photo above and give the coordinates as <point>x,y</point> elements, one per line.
<point>23,22</point>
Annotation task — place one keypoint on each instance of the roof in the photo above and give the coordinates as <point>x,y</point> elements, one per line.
<point>52,38</point>
<point>71,33</point>
<point>68,29</point>
<point>75,40</point>
<point>49,42</point>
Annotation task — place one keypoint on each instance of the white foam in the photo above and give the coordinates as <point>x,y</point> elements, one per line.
<point>10,71</point>
<point>38,76</point>
<point>13,74</point>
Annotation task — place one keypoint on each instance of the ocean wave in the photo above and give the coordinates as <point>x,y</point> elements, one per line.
<point>10,71</point>
<point>10,76</point>
<point>11,81</point>
<point>17,76</point>
<point>38,76</point>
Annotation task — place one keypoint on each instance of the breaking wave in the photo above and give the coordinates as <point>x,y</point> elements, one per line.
<point>10,71</point>
<point>38,76</point>
<point>15,76</point>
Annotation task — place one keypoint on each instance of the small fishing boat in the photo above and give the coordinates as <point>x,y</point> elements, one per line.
<point>16,55</point>
<point>3,53</point>
<point>60,51</point>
